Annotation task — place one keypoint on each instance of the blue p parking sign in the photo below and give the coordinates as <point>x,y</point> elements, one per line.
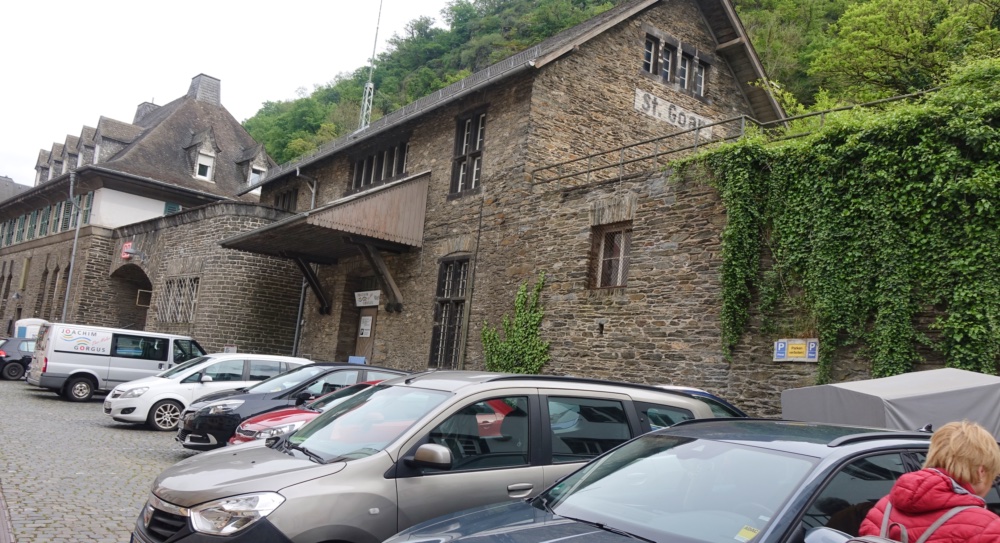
<point>780,350</point>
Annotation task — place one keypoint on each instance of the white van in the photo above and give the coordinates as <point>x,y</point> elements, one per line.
<point>159,400</point>
<point>76,360</point>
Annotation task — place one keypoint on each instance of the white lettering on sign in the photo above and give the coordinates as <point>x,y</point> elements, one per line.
<point>663,110</point>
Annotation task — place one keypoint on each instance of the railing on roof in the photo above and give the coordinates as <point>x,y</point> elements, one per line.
<point>654,153</point>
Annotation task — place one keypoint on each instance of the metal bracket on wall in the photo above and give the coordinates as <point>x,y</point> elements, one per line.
<point>312,279</point>
<point>374,258</point>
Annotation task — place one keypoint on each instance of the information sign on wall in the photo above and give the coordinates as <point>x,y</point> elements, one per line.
<point>365,330</point>
<point>658,108</point>
<point>367,298</point>
<point>126,250</point>
<point>796,350</point>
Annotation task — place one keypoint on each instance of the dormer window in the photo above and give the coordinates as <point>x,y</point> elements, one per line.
<point>206,163</point>
<point>256,174</point>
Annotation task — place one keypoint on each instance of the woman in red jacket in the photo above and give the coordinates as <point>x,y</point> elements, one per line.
<point>961,465</point>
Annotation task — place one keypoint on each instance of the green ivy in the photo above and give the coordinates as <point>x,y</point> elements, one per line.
<point>521,350</point>
<point>876,219</point>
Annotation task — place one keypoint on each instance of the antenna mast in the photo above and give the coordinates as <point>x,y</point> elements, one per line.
<point>366,101</point>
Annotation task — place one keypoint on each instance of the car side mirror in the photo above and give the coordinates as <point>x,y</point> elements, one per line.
<point>301,398</point>
<point>206,379</point>
<point>431,455</point>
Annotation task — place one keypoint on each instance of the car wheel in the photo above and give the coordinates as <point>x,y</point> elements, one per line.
<point>78,389</point>
<point>13,371</point>
<point>164,416</point>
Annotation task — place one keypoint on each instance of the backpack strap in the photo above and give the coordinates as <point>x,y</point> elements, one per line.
<point>886,525</point>
<point>941,520</point>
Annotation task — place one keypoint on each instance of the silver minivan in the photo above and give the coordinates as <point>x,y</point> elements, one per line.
<point>402,452</point>
<point>76,360</point>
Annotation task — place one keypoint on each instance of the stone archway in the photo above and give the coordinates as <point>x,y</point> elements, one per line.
<point>129,297</point>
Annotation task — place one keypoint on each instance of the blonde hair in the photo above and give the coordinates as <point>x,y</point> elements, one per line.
<point>960,448</point>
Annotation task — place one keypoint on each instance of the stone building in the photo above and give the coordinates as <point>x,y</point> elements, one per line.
<point>122,226</point>
<point>415,231</point>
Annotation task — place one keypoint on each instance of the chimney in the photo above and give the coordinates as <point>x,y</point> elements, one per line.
<point>206,88</point>
<point>144,109</point>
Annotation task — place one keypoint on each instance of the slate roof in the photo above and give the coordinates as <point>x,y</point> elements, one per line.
<point>720,15</point>
<point>117,130</point>
<point>43,159</point>
<point>86,138</point>
<point>8,188</point>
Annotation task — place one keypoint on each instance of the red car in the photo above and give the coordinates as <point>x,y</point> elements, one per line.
<point>282,421</point>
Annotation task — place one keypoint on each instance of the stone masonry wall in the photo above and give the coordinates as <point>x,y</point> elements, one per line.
<point>244,299</point>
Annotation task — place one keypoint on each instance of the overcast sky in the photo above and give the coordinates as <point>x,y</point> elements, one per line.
<point>66,63</point>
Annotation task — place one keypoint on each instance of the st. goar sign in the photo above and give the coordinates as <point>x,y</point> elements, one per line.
<point>658,108</point>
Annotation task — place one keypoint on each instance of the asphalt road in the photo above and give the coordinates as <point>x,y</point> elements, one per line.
<point>68,473</point>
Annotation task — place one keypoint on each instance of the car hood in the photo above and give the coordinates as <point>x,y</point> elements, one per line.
<point>235,470</point>
<point>510,522</point>
<point>279,417</point>
<point>150,381</point>
<point>202,401</point>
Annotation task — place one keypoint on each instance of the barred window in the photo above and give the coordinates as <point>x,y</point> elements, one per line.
<point>467,169</point>
<point>449,309</point>
<point>610,255</point>
<point>179,300</point>
<point>382,164</point>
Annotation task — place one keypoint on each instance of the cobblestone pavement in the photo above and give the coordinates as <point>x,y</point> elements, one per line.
<point>68,473</point>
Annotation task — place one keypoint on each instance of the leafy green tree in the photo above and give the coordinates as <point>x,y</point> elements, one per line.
<point>521,350</point>
<point>881,48</point>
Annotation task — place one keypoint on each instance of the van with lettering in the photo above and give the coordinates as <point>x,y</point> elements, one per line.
<point>75,360</point>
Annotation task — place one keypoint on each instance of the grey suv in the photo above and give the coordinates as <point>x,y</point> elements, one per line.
<point>402,452</point>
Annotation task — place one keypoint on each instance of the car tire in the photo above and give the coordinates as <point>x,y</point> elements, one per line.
<point>164,416</point>
<point>13,371</point>
<point>79,389</point>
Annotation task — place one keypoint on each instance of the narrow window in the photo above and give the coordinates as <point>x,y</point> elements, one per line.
<point>20,229</point>
<point>667,65</point>
<point>612,246</point>
<point>449,309</point>
<point>682,71</point>
<point>650,55</point>
<point>88,203</point>
<point>43,228</point>
<point>699,79</point>
<point>468,162</point>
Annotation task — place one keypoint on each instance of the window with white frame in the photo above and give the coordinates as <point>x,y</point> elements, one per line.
<point>610,255</point>
<point>672,65</point>
<point>179,300</point>
<point>256,174</point>
<point>205,166</point>
<point>467,170</point>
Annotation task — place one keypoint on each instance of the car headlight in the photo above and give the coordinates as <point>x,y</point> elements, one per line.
<point>221,407</point>
<point>230,515</point>
<point>278,430</point>
<point>134,392</point>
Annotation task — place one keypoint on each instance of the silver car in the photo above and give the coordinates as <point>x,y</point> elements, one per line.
<point>402,452</point>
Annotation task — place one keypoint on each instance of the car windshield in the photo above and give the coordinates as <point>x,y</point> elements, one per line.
<point>334,398</point>
<point>288,379</point>
<point>664,487</point>
<point>367,422</point>
<point>180,368</point>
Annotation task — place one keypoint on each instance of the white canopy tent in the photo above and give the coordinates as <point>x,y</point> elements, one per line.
<point>906,402</point>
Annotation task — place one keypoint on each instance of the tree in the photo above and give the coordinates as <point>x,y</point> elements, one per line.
<point>521,350</point>
<point>883,48</point>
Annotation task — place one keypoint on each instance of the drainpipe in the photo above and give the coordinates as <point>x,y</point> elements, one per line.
<point>302,291</point>
<point>76,237</point>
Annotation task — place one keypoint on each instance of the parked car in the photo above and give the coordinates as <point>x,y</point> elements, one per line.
<point>210,421</point>
<point>75,361</point>
<point>720,406</point>
<point>15,357</point>
<point>401,452</point>
<point>159,400</point>
<point>714,481</point>
<point>289,419</point>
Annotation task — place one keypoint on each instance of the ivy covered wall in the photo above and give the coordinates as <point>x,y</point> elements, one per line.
<point>882,229</point>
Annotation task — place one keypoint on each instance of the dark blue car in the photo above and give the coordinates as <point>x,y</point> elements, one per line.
<point>713,480</point>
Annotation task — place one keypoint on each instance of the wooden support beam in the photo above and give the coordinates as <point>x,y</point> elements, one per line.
<point>374,258</point>
<point>325,307</point>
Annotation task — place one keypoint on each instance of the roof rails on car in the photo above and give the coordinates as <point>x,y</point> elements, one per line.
<point>415,376</point>
<point>571,379</point>
<point>870,436</point>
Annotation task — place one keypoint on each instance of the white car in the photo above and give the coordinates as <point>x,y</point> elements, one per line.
<point>159,400</point>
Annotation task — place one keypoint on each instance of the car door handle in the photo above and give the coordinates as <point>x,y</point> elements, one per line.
<point>519,490</point>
